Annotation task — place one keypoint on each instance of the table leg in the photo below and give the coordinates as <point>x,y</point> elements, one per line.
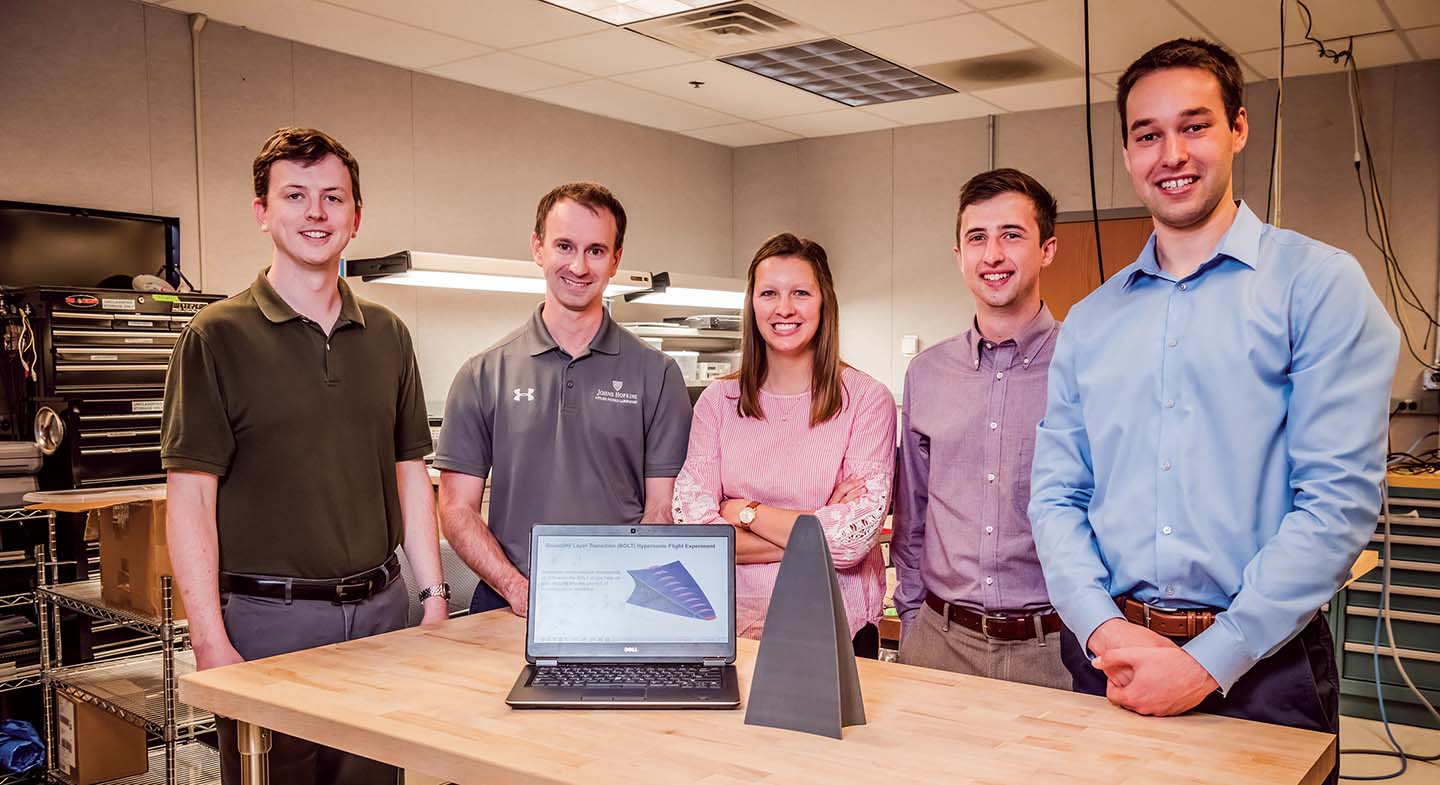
<point>253,743</point>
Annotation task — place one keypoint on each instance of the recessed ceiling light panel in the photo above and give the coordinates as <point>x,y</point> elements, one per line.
<point>840,72</point>
<point>623,12</point>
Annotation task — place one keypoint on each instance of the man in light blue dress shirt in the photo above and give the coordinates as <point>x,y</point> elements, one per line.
<point>1209,463</point>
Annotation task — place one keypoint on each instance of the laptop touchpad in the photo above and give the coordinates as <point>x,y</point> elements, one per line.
<point>617,694</point>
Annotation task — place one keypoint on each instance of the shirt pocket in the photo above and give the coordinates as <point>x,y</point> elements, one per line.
<point>1024,457</point>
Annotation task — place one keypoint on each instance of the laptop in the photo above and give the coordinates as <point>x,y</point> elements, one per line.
<point>630,617</point>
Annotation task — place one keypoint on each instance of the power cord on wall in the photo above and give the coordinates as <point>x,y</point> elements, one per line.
<point>1090,150</point>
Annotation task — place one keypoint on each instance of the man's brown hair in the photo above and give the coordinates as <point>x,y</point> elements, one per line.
<point>307,146</point>
<point>1185,53</point>
<point>592,196</point>
<point>987,185</point>
<point>826,390</point>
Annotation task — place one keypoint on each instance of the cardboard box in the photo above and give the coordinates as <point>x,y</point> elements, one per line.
<point>133,549</point>
<point>92,745</point>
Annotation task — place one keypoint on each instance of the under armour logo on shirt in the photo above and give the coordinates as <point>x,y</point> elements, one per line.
<point>528,393</point>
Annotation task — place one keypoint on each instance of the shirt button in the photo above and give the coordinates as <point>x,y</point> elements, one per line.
<point>1183,287</point>
<point>994,425</point>
<point>989,478</point>
<point>1000,375</point>
<point>1166,530</point>
<point>570,384</point>
<point>1169,404</point>
<point>1174,343</point>
<point>1169,591</point>
<point>1165,466</point>
<point>989,581</point>
<point>989,345</point>
<point>989,529</point>
<point>1025,361</point>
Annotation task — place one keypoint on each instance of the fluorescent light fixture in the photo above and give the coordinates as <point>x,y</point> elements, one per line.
<point>623,12</point>
<point>840,72</point>
<point>693,291</point>
<point>480,273</point>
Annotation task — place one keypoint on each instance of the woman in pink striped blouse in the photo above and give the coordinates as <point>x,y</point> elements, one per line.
<point>794,432</point>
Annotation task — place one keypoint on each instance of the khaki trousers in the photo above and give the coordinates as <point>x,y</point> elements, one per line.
<point>929,644</point>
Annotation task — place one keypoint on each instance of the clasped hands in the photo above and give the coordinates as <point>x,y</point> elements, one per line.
<point>1147,672</point>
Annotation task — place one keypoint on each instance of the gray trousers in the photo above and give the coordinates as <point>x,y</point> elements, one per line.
<point>263,627</point>
<point>928,643</point>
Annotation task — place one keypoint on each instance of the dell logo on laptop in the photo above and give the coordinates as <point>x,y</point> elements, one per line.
<point>632,649</point>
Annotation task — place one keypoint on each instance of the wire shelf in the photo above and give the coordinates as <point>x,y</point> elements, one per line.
<point>22,514</point>
<point>84,597</point>
<point>16,600</point>
<point>19,679</point>
<point>21,777</point>
<point>132,689</point>
<point>195,764</point>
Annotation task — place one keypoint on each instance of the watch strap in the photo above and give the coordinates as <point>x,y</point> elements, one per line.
<point>442,590</point>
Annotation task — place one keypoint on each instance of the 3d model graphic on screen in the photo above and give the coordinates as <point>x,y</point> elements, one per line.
<point>669,588</point>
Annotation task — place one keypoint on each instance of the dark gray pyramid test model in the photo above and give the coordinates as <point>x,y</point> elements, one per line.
<point>805,676</point>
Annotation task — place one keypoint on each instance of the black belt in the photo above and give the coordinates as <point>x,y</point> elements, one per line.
<point>355,588</point>
<point>1016,626</point>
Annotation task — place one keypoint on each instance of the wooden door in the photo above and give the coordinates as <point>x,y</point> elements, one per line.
<point>1075,271</point>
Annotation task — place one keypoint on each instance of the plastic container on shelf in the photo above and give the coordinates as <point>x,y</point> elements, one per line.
<point>686,360</point>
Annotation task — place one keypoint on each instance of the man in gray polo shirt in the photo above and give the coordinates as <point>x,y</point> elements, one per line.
<point>574,419</point>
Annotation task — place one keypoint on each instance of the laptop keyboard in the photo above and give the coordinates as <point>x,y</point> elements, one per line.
<point>694,677</point>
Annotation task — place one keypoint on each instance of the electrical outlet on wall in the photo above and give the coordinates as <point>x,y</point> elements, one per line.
<point>1425,403</point>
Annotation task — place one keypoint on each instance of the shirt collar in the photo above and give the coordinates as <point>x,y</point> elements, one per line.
<point>1240,242</point>
<point>538,339</point>
<point>1028,341</point>
<point>278,311</point>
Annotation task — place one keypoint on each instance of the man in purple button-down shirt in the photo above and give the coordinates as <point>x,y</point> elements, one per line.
<point>970,593</point>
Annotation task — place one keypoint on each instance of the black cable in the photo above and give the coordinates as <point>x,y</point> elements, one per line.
<point>1090,151</point>
<point>1270,215</point>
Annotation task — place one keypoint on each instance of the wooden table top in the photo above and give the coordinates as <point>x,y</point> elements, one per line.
<point>433,701</point>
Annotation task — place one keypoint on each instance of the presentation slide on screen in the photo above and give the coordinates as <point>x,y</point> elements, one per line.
<point>631,590</point>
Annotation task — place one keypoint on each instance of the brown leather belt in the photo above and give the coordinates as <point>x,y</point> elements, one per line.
<point>1171,624</point>
<point>355,588</point>
<point>1007,627</point>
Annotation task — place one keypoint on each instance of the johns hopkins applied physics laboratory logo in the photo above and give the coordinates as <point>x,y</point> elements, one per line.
<point>617,394</point>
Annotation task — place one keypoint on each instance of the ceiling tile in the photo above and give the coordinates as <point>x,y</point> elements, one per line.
<point>952,38</point>
<point>1120,30</point>
<point>609,52</point>
<point>1047,95</point>
<point>623,102</point>
<point>840,17</point>
<point>844,121</point>
<point>338,29</point>
<point>1426,41</point>
<point>1414,13</point>
<point>729,89</point>
<point>937,109</point>
<point>1370,51</point>
<point>1243,27</point>
<point>508,72</point>
<point>742,134</point>
<point>503,24</point>
<point>987,4</point>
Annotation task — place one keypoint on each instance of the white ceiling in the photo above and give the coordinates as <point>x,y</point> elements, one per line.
<point>531,48</point>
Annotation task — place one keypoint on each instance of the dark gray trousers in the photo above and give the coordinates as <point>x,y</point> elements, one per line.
<point>263,627</point>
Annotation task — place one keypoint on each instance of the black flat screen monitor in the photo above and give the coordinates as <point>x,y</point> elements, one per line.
<point>52,245</point>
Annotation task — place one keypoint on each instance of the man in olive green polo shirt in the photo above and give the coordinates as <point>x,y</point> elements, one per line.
<point>293,439</point>
<point>572,418</point>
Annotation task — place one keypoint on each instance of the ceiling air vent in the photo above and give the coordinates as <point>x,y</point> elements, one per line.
<point>726,30</point>
<point>840,72</point>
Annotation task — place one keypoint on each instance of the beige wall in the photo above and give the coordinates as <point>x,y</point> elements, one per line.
<point>99,112</point>
<point>882,203</point>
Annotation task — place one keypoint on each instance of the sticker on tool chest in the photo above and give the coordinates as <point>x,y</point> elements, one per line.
<point>117,304</point>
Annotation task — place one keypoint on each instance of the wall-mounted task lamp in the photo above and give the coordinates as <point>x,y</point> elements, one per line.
<point>695,291</point>
<point>482,273</point>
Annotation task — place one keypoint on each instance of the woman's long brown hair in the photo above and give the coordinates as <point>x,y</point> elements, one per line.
<point>826,389</point>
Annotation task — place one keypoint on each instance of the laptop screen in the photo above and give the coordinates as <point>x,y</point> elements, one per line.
<point>645,593</point>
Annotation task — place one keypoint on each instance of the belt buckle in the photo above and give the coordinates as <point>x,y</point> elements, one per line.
<point>346,593</point>
<point>985,620</point>
<point>1146,613</point>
